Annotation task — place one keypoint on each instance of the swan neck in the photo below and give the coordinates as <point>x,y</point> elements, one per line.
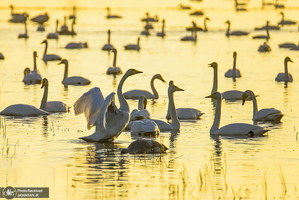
<point>171,107</point>
<point>234,66</point>
<point>43,104</point>
<point>114,59</point>
<point>228,29</point>
<point>140,105</point>
<point>56,28</point>
<point>46,48</point>
<point>205,25</point>
<point>215,81</point>
<point>255,109</point>
<point>216,122</point>
<point>155,93</point>
<point>122,101</point>
<point>286,72</point>
<point>25,28</point>
<point>66,70</point>
<point>109,37</point>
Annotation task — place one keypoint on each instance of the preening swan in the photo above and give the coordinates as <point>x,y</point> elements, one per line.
<point>1,56</point>
<point>145,147</point>
<point>235,129</point>
<point>285,22</point>
<point>51,106</point>
<point>34,76</point>
<point>76,45</point>
<point>108,46</point>
<point>264,47</point>
<point>24,35</point>
<point>40,18</point>
<point>184,7</point>
<point>198,28</point>
<point>193,36</point>
<point>135,94</point>
<point>233,73</point>
<point>162,33</point>
<point>114,70</point>
<point>234,33</point>
<point>266,114</point>
<point>112,16</point>
<point>55,34</point>
<point>286,76</point>
<point>72,80</point>
<point>267,36</point>
<point>49,57</point>
<point>133,46</point>
<point>110,120</point>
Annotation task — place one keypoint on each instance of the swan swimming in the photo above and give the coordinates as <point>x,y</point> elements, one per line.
<point>55,34</point>
<point>73,16</point>
<point>110,121</point>
<point>64,28</point>
<point>267,36</point>
<point>198,28</point>
<point>49,57</point>
<point>235,129</point>
<point>150,19</point>
<point>108,46</point>
<point>196,13</point>
<point>286,76</point>
<point>285,22</point>
<point>233,73</point>
<point>133,46</point>
<point>266,114</point>
<point>234,33</point>
<point>67,32</point>
<point>184,7</point>
<point>1,56</point>
<point>72,80</point>
<point>76,45</point>
<point>162,33</point>
<point>193,36</point>
<point>112,16</point>
<point>145,147</point>
<point>114,70</point>
<point>18,17</point>
<point>287,45</point>
<point>40,18</point>
<point>264,47</point>
<point>24,35</point>
<point>135,94</point>
<point>34,76</point>
<point>51,106</point>
<point>41,28</point>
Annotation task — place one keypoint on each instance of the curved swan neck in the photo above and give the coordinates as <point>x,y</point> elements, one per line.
<point>46,48</point>
<point>286,72</point>
<point>114,58</point>
<point>66,70</point>
<point>255,109</point>
<point>215,81</point>
<point>43,104</point>
<point>155,93</point>
<point>122,101</point>
<point>138,41</point>
<point>34,61</point>
<point>228,29</point>
<point>216,122</point>
<point>171,107</point>
<point>205,25</point>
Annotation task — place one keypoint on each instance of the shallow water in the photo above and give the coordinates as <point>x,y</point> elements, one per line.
<point>46,151</point>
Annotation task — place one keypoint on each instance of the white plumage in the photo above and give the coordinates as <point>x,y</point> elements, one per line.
<point>286,76</point>
<point>49,57</point>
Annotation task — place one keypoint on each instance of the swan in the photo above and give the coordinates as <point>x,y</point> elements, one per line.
<point>145,32</point>
<point>34,76</point>
<point>49,57</point>
<point>144,127</point>
<point>76,45</point>
<point>41,28</point>
<point>193,36</point>
<point>150,19</point>
<point>133,46</point>
<point>18,17</point>
<point>108,46</point>
<point>64,28</point>
<point>234,33</point>
<point>110,121</point>
<point>73,16</point>
<point>67,32</point>
<point>175,124</point>
<point>24,35</point>
<point>162,33</point>
<point>286,76</point>
<point>233,73</point>
<point>231,95</point>
<point>51,106</point>
<point>55,34</point>
<point>235,129</point>
<point>145,147</point>
<point>12,13</point>
<point>148,25</point>
<point>267,37</point>
<point>1,56</point>
<point>270,27</point>
<point>72,80</point>
<point>295,48</point>
<point>266,114</point>
<point>287,45</point>
<point>285,22</point>
<point>114,69</point>
<point>135,94</point>
<point>264,47</point>
<point>198,28</point>
<point>184,7</point>
<point>197,13</point>
<point>40,18</point>
<point>110,16</point>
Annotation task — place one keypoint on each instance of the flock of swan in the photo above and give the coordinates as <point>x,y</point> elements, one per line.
<point>110,121</point>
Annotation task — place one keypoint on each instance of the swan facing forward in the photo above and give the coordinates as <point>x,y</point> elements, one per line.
<point>49,57</point>
<point>235,129</point>
<point>34,76</point>
<point>133,46</point>
<point>108,46</point>
<point>264,47</point>
<point>266,114</point>
<point>145,147</point>
<point>114,70</point>
<point>110,120</point>
<point>286,76</point>
<point>51,106</point>
<point>233,73</point>
<point>135,94</point>
<point>55,34</point>
<point>234,33</point>
<point>72,80</point>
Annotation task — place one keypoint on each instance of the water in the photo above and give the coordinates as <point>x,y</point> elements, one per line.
<point>46,151</point>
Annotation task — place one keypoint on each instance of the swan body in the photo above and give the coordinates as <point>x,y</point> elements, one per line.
<point>41,28</point>
<point>235,129</point>
<point>112,16</point>
<point>135,94</point>
<point>145,32</point>
<point>51,106</point>
<point>286,76</point>
<point>49,57</point>
<point>150,19</point>
<point>24,35</point>
<point>287,45</point>
<point>162,33</point>
<point>111,120</point>
<point>184,7</point>
<point>55,34</point>
<point>1,56</point>
<point>76,45</point>
<point>72,80</point>
<point>267,36</point>
<point>23,110</point>
<point>34,76</point>
<point>197,28</point>
<point>141,112</point>
<point>114,70</point>
<point>285,22</point>
<point>40,18</point>
<point>233,73</point>
<point>145,147</point>
<point>234,33</point>
<point>266,114</point>
<point>186,113</point>
<point>197,13</point>
<point>17,17</point>
<point>133,46</point>
<point>144,127</point>
<point>270,27</point>
<point>108,46</point>
<point>64,28</point>
<point>264,48</point>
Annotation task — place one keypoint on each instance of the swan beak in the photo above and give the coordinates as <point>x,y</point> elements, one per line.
<point>180,89</point>
<point>243,102</point>
<point>43,85</point>
<point>60,62</point>
<point>210,96</point>
<point>291,61</point>
<point>162,79</point>
<point>210,65</point>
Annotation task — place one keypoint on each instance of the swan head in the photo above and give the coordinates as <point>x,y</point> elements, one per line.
<point>213,64</point>
<point>173,88</point>
<point>108,8</point>
<point>207,18</point>
<point>159,76</point>
<point>35,54</point>
<point>245,96</point>
<point>27,71</point>
<point>63,61</point>
<point>234,54</point>
<point>45,82</point>
<point>132,71</point>
<point>114,50</point>
<point>143,99</point>
<point>281,13</point>
<point>288,59</point>
<point>215,95</point>
<point>227,22</point>
<point>44,42</point>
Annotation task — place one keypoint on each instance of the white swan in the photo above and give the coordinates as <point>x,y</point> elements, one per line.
<point>51,106</point>
<point>286,76</point>
<point>135,94</point>
<point>270,27</point>
<point>40,18</point>
<point>72,80</point>
<point>233,73</point>
<point>266,114</point>
<point>193,36</point>
<point>110,121</point>
<point>49,57</point>
<point>133,46</point>
<point>64,28</point>
<point>112,16</point>
<point>34,76</point>
<point>41,28</point>
<point>55,34</point>
<point>108,46</point>
<point>285,22</point>
<point>175,124</point>
<point>67,32</point>
<point>18,17</point>
<point>141,112</point>
<point>264,47</point>
<point>145,147</point>
<point>150,19</point>
<point>267,36</point>
<point>1,56</point>
<point>114,70</point>
<point>144,128</point>
<point>234,33</point>
<point>73,16</point>
<point>162,33</point>
<point>235,129</point>
<point>76,45</point>
<point>198,28</point>
<point>24,35</point>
